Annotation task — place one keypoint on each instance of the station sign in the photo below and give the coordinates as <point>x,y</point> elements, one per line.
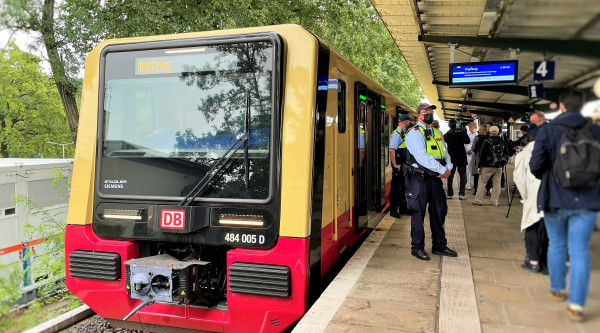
<point>543,70</point>
<point>536,91</point>
<point>483,73</point>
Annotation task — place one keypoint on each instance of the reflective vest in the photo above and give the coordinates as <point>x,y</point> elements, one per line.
<point>435,145</point>
<point>403,136</point>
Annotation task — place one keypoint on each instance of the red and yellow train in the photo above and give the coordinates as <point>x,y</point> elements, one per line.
<point>220,175</point>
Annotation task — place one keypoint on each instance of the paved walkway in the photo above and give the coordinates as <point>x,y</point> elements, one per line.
<point>384,289</point>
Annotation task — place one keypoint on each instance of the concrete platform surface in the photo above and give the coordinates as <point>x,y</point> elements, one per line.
<point>385,289</point>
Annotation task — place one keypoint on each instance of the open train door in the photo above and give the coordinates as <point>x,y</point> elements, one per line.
<point>363,113</point>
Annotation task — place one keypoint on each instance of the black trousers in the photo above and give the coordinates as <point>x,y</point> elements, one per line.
<point>397,197</point>
<point>462,173</point>
<point>536,242</point>
<point>421,191</point>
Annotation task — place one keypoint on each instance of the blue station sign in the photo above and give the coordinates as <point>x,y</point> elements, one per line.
<point>543,70</point>
<point>536,91</point>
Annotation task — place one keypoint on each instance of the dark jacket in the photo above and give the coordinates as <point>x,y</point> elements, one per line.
<point>485,153</point>
<point>456,141</point>
<point>551,195</point>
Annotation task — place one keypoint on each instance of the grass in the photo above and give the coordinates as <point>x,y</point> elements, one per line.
<point>38,312</point>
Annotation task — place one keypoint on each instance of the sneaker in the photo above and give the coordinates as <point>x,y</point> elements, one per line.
<point>558,295</point>
<point>477,203</point>
<point>449,197</point>
<point>462,197</point>
<point>574,315</point>
<point>495,204</point>
<point>469,187</point>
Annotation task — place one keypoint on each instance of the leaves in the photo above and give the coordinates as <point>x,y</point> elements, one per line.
<point>31,113</point>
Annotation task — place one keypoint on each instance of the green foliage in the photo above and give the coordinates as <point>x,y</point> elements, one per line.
<point>49,260</point>
<point>30,108</point>
<point>10,280</point>
<point>351,27</point>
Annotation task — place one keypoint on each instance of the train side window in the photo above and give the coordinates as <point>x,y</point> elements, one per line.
<point>341,106</point>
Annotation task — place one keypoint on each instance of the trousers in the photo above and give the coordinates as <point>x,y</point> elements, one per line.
<point>426,192</point>
<point>570,232</point>
<point>397,198</point>
<point>462,173</point>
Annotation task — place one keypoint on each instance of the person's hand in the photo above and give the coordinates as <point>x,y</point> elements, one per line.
<point>479,170</point>
<point>397,167</point>
<point>469,152</point>
<point>446,174</point>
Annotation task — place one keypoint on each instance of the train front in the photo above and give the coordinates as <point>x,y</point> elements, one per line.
<point>180,198</point>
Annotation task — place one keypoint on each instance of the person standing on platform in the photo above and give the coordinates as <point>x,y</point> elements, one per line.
<point>471,133</point>
<point>492,158</point>
<point>532,221</point>
<point>426,165</point>
<point>456,139</point>
<point>475,148</point>
<point>536,121</point>
<point>569,212</point>
<point>398,154</point>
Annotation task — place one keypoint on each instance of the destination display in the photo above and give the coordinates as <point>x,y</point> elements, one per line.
<point>483,73</point>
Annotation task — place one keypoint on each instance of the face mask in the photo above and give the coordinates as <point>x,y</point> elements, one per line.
<point>532,125</point>
<point>428,118</point>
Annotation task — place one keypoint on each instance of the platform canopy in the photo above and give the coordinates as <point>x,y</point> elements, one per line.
<point>564,31</point>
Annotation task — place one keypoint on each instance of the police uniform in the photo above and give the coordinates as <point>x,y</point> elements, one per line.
<point>398,204</point>
<point>427,159</point>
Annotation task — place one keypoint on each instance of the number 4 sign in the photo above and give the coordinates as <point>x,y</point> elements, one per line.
<point>543,70</point>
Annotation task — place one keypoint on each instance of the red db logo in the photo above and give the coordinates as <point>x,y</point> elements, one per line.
<point>172,219</point>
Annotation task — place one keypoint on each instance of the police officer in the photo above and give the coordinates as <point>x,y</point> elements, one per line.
<point>427,164</point>
<point>398,154</point>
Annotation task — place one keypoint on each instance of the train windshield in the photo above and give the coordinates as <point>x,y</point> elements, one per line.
<point>171,114</point>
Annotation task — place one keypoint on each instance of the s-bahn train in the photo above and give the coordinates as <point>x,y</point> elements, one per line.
<point>220,175</point>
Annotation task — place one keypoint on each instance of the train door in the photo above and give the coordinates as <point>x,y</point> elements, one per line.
<point>365,127</point>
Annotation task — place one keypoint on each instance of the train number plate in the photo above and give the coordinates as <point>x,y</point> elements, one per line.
<point>244,238</point>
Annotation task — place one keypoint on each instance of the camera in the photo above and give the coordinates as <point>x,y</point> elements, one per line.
<point>461,126</point>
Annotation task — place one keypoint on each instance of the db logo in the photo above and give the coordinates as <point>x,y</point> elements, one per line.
<point>172,219</point>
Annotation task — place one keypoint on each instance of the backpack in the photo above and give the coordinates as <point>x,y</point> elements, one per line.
<point>497,157</point>
<point>577,165</point>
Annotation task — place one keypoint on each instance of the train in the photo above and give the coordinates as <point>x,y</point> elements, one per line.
<point>220,175</point>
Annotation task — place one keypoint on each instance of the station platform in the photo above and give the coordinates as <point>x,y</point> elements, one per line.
<point>383,288</point>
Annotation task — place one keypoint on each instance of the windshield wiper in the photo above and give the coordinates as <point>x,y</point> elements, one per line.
<point>214,170</point>
<point>246,129</point>
<point>222,162</point>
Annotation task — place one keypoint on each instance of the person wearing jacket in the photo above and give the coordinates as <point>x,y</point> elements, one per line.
<point>488,167</point>
<point>531,221</point>
<point>475,148</point>
<point>570,214</point>
<point>456,140</point>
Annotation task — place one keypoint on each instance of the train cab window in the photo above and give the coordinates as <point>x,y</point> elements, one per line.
<point>341,106</point>
<point>171,114</point>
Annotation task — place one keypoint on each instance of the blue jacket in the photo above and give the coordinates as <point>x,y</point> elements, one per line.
<point>551,195</point>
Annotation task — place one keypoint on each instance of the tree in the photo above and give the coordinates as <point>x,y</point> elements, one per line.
<point>352,27</point>
<point>34,16</point>
<point>30,108</point>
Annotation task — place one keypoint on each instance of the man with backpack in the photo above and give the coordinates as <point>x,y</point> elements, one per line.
<point>566,158</point>
<point>494,155</point>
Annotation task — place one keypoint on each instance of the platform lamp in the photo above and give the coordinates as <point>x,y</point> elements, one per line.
<point>60,144</point>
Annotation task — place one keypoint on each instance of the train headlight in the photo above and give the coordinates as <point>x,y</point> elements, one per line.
<point>123,214</point>
<point>238,220</point>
